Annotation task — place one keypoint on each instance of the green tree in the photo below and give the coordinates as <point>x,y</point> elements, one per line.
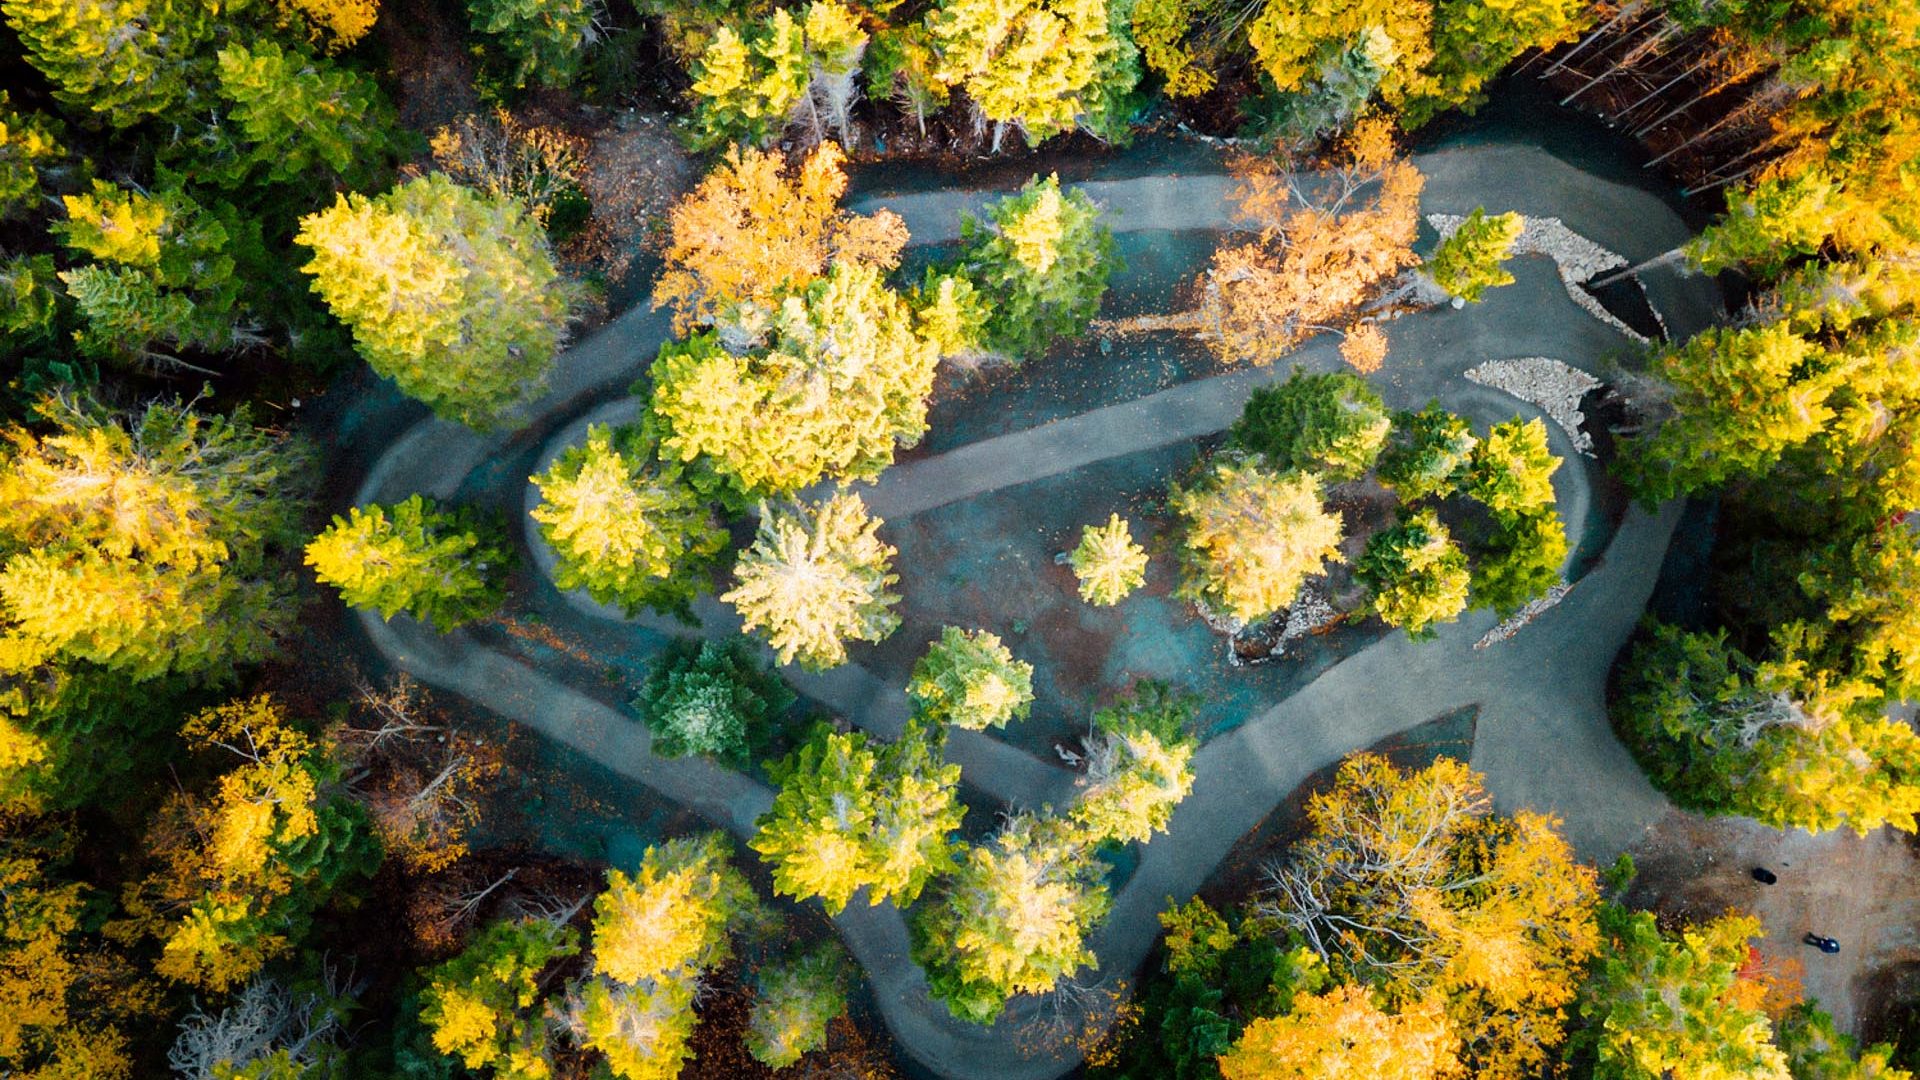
<point>541,41</point>
<point>290,117</point>
<point>852,815</point>
<point>670,920</point>
<point>816,577</point>
<point>1107,562</point>
<point>709,697</point>
<point>1328,61</point>
<point>127,60</point>
<point>1520,563</point>
<point>29,144</point>
<point>1332,423</point>
<point>1660,1006</point>
<point>483,1006</point>
<point>162,276</point>
<point>1510,472</point>
<point>1251,537</point>
<point>747,85</point>
<point>970,680</point>
<point>951,314</point>
<point>450,294</point>
<point>1467,262</point>
<point>1040,66</point>
<point>146,543</point>
<point>1426,454</point>
<point>242,869</point>
<point>1416,573</point>
<point>1041,260</point>
<point>793,1003</point>
<point>792,402</point>
<point>446,567</point>
<point>1011,919</point>
<point>623,527</point>
<point>1724,735</point>
<point>1139,765</point>
<point>1817,1050</point>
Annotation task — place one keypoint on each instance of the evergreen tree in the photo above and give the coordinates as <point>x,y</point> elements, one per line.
<point>1332,423</point>
<point>1328,60</point>
<point>290,117</point>
<point>1012,919</point>
<point>951,314</point>
<point>1467,263</point>
<point>711,698</point>
<point>970,680</point>
<point>484,1005</point>
<point>541,41</point>
<point>162,276</point>
<point>829,383</point>
<point>29,144</point>
<point>644,1029</point>
<point>243,869</point>
<point>746,87</point>
<point>670,920</point>
<point>450,294</point>
<point>851,815</point>
<point>1426,454</point>
<point>146,543</point>
<point>1521,562</point>
<point>1475,40</point>
<point>1040,260</point>
<point>793,1003</point>
<point>1139,766</point>
<point>126,60</point>
<point>623,527</point>
<point>1658,1006</point>
<point>1251,537</point>
<point>1510,472</point>
<point>815,578</point>
<point>1817,1050</point>
<point>332,25</point>
<point>446,567</point>
<point>1039,65</point>
<point>1417,575</point>
<point>1108,563</point>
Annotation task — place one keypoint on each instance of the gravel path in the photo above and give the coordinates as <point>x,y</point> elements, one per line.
<point>1543,739</point>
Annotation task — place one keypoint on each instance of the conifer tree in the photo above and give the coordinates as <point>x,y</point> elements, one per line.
<point>826,386</point>
<point>1510,472</point>
<point>541,41</point>
<point>332,25</point>
<point>1426,454</point>
<point>623,527</point>
<point>162,276</point>
<point>793,1003</point>
<point>145,543</point>
<point>970,680</point>
<point>279,837</point>
<point>1467,263</point>
<point>670,920</point>
<point>951,314</point>
<point>1521,561</point>
<point>1012,919</point>
<point>815,578</point>
<point>851,815</point>
<point>484,1006</point>
<point>746,87</point>
<point>1332,423</point>
<point>1108,562</point>
<point>644,1029</point>
<point>1417,575</point>
<point>1041,260</point>
<point>1139,766</point>
<point>1038,65</point>
<point>29,143</point>
<point>446,567</point>
<point>127,60</point>
<point>290,117</point>
<point>1475,40</point>
<point>450,294</point>
<point>711,698</point>
<point>1251,537</point>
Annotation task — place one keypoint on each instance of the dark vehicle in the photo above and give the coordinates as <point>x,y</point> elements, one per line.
<point>1824,944</point>
<point>1764,876</point>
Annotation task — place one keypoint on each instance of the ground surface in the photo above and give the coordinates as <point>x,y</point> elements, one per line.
<point>1540,730</point>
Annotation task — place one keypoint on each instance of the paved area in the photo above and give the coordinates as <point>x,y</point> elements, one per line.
<point>1543,738</point>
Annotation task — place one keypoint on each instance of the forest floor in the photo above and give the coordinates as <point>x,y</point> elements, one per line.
<point>1863,891</point>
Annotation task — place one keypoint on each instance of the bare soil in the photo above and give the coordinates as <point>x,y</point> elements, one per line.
<point>1862,891</point>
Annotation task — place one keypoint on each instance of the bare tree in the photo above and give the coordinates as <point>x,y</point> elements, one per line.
<point>266,1018</point>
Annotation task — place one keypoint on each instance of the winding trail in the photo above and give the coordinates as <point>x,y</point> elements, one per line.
<point>1542,740</point>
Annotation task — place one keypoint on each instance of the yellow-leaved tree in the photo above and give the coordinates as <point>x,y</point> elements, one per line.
<point>1343,1034</point>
